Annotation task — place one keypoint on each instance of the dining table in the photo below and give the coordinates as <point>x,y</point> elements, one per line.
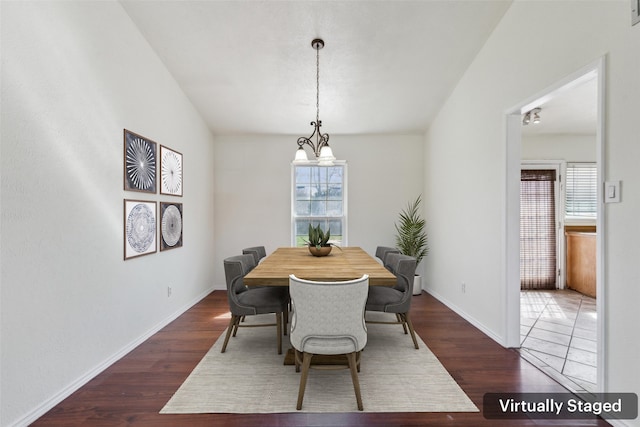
<point>343,263</point>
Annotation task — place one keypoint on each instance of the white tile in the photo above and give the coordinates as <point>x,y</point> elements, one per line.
<point>589,334</point>
<point>553,337</point>
<point>578,370</point>
<point>545,347</point>
<point>554,362</point>
<point>554,327</point>
<point>583,344</point>
<point>559,318</point>
<point>586,321</point>
<point>582,356</point>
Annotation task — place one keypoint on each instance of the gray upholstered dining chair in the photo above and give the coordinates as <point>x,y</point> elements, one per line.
<point>245,301</point>
<point>382,252</point>
<point>396,299</point>
<point>328,318</point>
<point>258,252</point>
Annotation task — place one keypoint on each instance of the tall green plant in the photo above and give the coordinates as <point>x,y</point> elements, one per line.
<point>412,238</point>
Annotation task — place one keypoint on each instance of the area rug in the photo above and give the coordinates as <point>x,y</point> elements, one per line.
<point>250,377</point>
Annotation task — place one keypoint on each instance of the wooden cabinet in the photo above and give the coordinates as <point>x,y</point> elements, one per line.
<point>581,262</point>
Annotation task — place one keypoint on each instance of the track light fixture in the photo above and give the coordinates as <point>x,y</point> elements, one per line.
<point>532,116</point>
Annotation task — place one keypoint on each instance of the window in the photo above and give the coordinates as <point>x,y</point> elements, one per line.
<point>581,190</point>
<point>319,196</point>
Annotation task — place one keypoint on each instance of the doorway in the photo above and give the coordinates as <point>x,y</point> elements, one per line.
<point>515,151</point>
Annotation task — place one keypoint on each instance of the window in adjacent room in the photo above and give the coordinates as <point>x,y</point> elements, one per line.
<point>319,196</point>
<point>581,191</point>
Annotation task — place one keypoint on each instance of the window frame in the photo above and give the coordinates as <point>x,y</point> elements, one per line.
<point>343,217</point>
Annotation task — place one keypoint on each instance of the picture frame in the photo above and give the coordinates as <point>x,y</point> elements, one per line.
<point>171,225</point>
<point>635,12</point>
<point>140,165</point>
<point>171,178</point>
<point>140,228</point>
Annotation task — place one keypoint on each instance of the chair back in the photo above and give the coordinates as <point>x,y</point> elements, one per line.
<point>383,251</point>
<point>404,267</point>
<point>258,252</point>
<point>328,317</point>
<point>235,268</point>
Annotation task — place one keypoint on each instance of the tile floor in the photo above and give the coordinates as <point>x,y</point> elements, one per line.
<point>558,335</point>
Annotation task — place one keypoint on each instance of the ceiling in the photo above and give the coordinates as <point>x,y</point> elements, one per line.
<point>573,110</point>
<point>387,66</point>
<point>248,66</point>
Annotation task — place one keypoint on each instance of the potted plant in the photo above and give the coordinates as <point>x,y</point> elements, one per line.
<point>319,241</point>
<point>411,237</point>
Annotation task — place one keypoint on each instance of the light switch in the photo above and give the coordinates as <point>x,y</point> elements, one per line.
<point>612,192</point>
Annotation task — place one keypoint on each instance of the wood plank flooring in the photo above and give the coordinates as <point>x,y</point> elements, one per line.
<point>133,390</point>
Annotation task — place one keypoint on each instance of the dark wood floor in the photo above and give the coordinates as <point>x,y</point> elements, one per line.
<point>132,391</point>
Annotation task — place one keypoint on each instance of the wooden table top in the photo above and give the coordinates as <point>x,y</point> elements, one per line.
<point>347,264</point>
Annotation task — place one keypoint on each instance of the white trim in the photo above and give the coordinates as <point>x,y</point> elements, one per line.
<point>511,207</point>
<point>460,312</point>
<point>600,226</point>
<point>50,403</point>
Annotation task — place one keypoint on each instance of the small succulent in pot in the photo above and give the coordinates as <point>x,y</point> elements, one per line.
<point>318,238</point>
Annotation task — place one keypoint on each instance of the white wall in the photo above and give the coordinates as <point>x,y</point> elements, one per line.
<point>571,148</point>
<point>466,163</point>
<point>74,74</point>
<point>253,189</point>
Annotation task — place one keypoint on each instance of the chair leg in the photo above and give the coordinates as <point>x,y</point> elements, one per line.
<point>236,324</point>
<point>232,323</point>
<point>306,362</point>
<point>413,334</point>
<point>401,320</point>
<point>354,377</point>
<point>278,329</point>
<point>286,320</point>
<point>296,358</point>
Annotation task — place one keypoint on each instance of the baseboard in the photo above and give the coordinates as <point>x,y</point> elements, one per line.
<point>468,318</point>
<point>74,386</point>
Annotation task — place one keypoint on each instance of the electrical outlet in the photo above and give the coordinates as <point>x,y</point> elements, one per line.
<point>169,291</point>
<point>463,287</point>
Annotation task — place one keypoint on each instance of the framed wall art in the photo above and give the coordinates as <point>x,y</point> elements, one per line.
<point>170,172</point>
<point>170,225</point>
<point>140,228</point>
<point>139,163</point>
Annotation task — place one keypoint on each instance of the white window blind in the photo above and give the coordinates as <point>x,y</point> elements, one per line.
<point>581,190</point>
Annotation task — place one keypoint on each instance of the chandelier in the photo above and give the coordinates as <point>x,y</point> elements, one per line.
<point>318,141</point>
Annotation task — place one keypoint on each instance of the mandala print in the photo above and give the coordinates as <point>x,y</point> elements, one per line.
<point>141,228</point>
<point>171,225</point>
<point>141,164</point>
<point>171,172</point>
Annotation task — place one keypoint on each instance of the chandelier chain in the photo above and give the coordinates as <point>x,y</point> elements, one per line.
<point>317,85</point>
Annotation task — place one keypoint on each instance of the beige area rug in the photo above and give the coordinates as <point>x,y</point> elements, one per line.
<point>250,377</point>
